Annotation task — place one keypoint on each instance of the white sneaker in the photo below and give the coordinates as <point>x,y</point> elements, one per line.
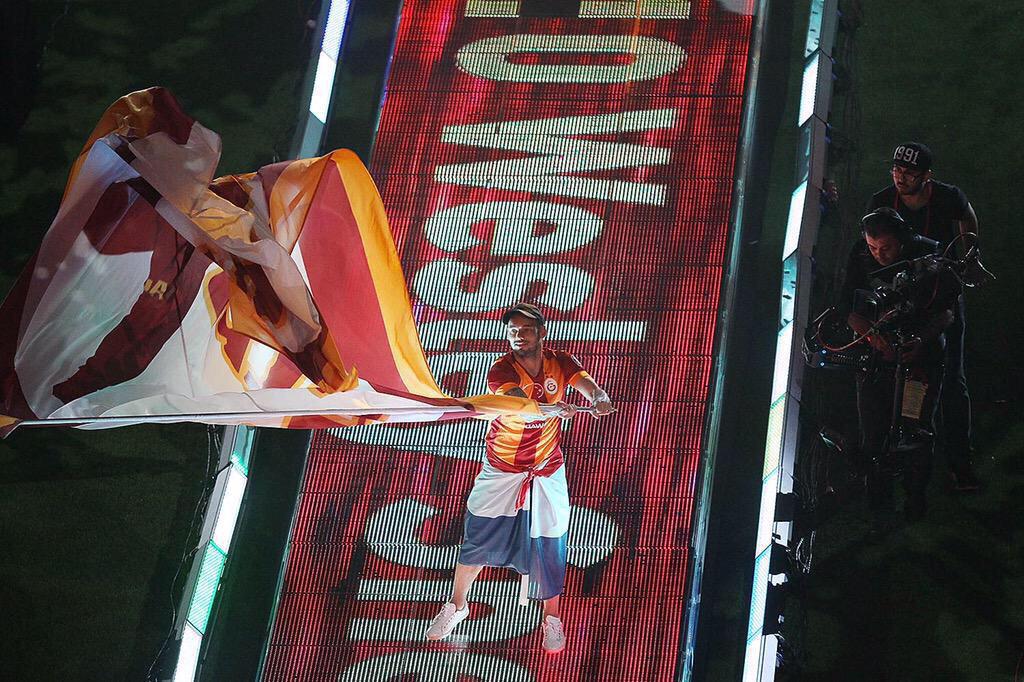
<point>446,620</point>
<point>554,635</point>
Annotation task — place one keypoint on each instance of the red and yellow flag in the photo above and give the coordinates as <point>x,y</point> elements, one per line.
<point>159,290</point>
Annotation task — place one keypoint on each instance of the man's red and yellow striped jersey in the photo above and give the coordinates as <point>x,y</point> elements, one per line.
<point>517,445</point>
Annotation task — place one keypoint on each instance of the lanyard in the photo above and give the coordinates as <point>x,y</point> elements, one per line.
<point>927,211</point>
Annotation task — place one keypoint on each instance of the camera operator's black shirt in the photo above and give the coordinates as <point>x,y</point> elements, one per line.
<point>937,219</point>
<point>933,295</point>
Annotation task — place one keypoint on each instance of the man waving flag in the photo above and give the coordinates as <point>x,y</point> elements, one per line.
<point>274,298</point>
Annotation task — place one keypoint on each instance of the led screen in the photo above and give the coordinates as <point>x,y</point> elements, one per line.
<point>580,155</point>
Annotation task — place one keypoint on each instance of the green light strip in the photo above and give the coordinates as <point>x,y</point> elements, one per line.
<point>210,571</point>
<point>241,451</point>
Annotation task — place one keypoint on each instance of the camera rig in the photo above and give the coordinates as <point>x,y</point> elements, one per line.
<point>905,289</point>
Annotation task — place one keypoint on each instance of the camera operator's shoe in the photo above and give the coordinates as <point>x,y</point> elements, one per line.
<point>446,620</point>
<point>554,635</point>
<point>913,438</point>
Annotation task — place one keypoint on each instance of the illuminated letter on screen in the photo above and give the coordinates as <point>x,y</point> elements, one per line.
<point>503,620</point>
<point>558,153</point>
<point>631,9</point>
<point>591,9</point>
<point>394,531</point>
<point>437,667</point>
<point>515,227</point>
<point>438,284</point>
<point>651,57</point>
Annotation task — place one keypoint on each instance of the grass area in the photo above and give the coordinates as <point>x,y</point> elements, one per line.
<point>92,526</point>
<point>938,599</point>
<point>236,66</point>
<point>946,74</point>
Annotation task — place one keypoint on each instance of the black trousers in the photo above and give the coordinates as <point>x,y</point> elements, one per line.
<point>954,437</point>
<point>875,392</point>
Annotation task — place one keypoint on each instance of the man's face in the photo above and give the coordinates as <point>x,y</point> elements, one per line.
<point>884,248</point>
<point>524,335</point>
<point>908,182</point>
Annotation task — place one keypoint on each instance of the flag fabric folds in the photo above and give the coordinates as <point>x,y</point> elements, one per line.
<point>159,290</point>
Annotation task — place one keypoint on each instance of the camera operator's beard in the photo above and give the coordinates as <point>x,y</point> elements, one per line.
<point>911,191</point>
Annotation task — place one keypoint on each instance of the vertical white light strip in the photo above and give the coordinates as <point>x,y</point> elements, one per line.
<point>808,89</point>
<point>188,655</point>
<point>323,85</point>
<point>814,26</point>
<point>796,218</point>
<point>218,527</point>
<point>327,60</point>
<point>334,31</point>
<point>769,485</point>
<point>230,503</point>
<point>781,437</point>
<point>783,353</point>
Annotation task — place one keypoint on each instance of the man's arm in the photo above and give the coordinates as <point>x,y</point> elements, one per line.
<point>561,409</point>
<point>596,395</point>
<point>861,326</point>
<point>856,279</point>
<point>969,223</point>
<point>936,324</point>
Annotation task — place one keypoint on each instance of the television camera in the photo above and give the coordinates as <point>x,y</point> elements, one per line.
<point>902,291</point>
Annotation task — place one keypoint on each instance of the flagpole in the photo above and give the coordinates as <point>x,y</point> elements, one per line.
<point>241,417</point>
<point>231,417</point>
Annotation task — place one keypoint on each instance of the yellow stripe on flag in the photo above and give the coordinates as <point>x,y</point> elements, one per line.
<point>386,270</point>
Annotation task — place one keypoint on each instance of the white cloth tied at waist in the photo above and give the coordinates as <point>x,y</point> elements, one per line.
<point>495,492</point>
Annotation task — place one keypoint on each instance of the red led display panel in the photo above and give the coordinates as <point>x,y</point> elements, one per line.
<point>578,154</point>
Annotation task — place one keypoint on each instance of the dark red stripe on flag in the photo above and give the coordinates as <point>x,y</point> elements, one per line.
<point>332,250</point>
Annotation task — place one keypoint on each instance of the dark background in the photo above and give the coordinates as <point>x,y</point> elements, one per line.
<point>93,524</point>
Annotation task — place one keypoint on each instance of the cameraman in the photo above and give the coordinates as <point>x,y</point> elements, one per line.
<point>897,309</point>
<point>941,212</point>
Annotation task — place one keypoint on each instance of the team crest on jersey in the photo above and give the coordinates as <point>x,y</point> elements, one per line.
<point>550,385</point>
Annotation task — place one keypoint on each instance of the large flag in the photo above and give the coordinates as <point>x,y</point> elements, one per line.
<point>159,290</point>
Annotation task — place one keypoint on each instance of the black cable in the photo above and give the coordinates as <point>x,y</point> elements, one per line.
<point>213,446</point>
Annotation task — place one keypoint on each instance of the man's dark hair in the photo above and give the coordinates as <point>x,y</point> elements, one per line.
<point>883,221</point>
